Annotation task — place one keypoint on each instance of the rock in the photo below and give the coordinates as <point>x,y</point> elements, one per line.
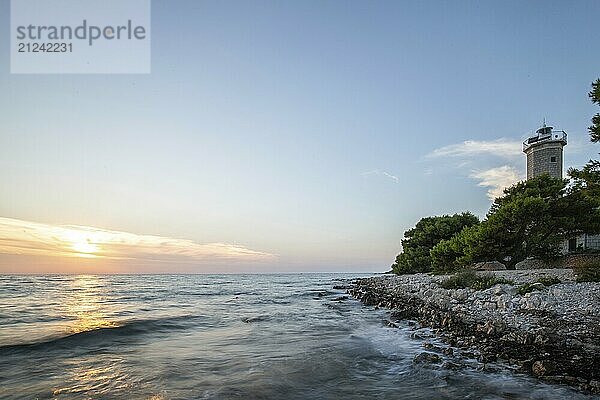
<point>530,263</point>
<point>537,286</point>
<point>542,368</point>
<point>428,358</point>
<point>488,328</point>
<point>460,295</point>
<point>391,324</point>
<point>422,334</point>
<point>571,380</point>
<point>486,359</point>
<point>541,340</point>
<point>498,290</point>
<point>503,302</point>
<point>489,266</point>
<point>551,333</point>
<point>452,366</point>
<point>533,301</point>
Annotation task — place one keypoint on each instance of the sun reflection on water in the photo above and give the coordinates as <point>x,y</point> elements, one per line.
<point>96,376</point>
<point>86,308</point>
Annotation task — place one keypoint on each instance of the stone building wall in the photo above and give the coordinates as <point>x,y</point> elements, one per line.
<point>592,242</point>
<point>539,160</point>
<point>582,242</point>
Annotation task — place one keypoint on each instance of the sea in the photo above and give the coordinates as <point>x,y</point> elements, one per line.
<point>226,337</point>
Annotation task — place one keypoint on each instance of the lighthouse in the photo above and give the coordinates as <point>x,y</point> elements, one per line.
<point>544,152</point>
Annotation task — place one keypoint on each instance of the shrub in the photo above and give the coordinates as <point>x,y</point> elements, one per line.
<point>549,280</point>
<point>468,278</point>
<point>530,220</point>
<point>428,232</point>
<point>525,288</point>
<point>451,255</point>
<point>588,272</point>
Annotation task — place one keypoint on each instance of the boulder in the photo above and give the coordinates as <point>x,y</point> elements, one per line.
<point>531,263</point>
<point>489,266</point>
<point>427,358</point>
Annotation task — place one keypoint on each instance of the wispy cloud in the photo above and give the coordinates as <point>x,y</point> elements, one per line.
<point>503,148</point>
<point>496,179</point>
<point>381,173</point>
<point>477,159</point>
<point>31,238</point>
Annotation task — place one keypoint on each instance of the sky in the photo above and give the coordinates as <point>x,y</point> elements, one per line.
<point>285,136</point>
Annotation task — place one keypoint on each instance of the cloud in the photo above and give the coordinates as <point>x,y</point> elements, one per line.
<point>381,173</point>
<point>497,179</point>
<point>479,156</point>
<point>20,237</point>
<point>496,164</point>
<point>502,148</point>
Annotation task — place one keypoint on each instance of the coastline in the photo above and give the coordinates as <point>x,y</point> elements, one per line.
<point>552,333</point>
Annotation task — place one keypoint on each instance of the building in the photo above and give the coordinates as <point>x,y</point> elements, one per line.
<point>581,242</point>
<point>544,153</point>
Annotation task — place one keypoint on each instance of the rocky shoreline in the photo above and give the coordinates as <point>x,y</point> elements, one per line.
<point>552,332</point>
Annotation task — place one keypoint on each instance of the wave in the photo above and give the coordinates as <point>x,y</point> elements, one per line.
<point>316,293</point>
<point>125,331</point>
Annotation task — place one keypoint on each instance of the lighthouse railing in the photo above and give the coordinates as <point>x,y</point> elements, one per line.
<point>554,136</point>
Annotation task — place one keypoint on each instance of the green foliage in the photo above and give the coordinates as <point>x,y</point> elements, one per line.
<point>467,278</point>
<point>530,287</point>
<point>530,220</point>
<point>588,178</point>
<point>595,128</point>
<point>549,280</point>
<point>526,288</point>
<point>588,272</point>
<point>455,253</point>
<point>587,181</point>
<point>428,232</point>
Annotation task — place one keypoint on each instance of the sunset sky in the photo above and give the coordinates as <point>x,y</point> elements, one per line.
<point>286,136</point>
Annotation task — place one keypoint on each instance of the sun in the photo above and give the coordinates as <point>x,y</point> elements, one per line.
<point>84,247</point>
<point>82,244</point>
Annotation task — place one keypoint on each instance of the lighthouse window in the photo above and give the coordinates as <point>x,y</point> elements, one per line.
<point>552,159</point>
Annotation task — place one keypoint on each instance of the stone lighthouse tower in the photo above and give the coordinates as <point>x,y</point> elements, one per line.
<point>545,152</point>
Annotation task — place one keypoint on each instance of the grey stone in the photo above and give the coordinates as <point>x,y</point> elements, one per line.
<point>541,368</point>
<point>460,295</point>
<point>428,358</point>
<point>530,263</point>
<point>537,286</point>
<point>489,266</point>
<point>556,325</point>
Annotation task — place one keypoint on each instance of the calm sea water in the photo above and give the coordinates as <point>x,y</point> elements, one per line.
<point>219,337</point>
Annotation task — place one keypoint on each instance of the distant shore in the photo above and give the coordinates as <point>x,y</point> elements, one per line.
<point>550,332</point>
